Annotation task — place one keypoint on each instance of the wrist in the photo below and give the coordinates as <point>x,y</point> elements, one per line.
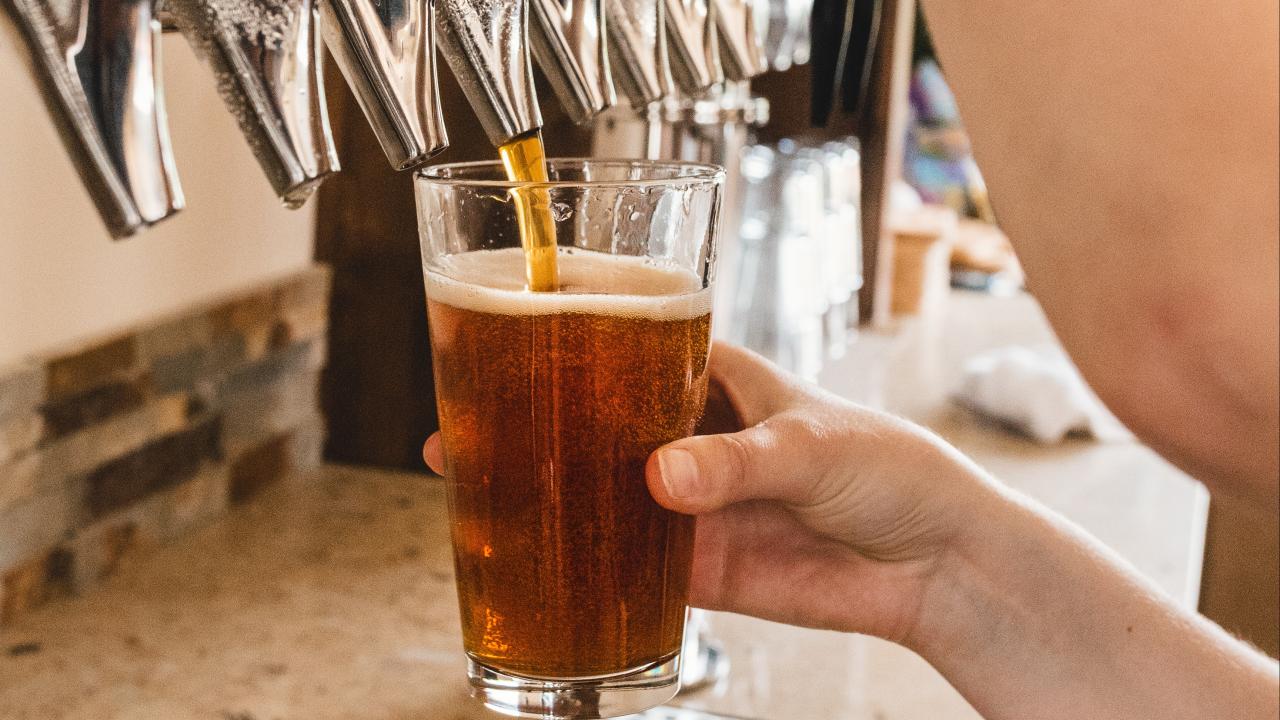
<point>967,606</point>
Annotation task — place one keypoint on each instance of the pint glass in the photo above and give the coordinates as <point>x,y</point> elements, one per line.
<point>572,582</point>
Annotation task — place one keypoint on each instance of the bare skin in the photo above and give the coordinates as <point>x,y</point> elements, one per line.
<point>1131,150</point>
<point>824,514</point>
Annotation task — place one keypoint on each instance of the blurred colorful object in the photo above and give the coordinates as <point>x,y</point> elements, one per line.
<point>937,160</point>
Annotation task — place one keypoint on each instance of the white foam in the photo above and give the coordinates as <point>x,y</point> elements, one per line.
<point>493,281</point>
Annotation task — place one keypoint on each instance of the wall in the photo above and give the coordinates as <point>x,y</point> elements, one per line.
<point>144,384</point>
<point>122,444</point>
<point>62,279</point>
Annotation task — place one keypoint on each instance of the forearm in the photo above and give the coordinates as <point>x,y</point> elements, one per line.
<point>1030,618</point>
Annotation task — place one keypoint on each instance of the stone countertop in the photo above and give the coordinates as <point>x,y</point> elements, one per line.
<point>331,594</point>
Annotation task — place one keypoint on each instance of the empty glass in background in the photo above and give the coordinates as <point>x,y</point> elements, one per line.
<point>572,581</point>
<point>801,271</point>
<point>799,267</point>
<point>842,162</point>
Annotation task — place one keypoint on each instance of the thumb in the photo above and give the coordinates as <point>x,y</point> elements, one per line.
<point>780,459</point>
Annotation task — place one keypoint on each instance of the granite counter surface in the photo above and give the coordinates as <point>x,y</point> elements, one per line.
<point>331,595</point>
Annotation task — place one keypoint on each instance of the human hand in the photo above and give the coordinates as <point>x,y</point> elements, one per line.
<point>819,513</point>
<point>816,512</point>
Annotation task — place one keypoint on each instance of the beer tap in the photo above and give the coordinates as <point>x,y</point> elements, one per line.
<point>693,45</point>
<point>638,50</point>
<point>667,57</point>
<point>711,125</point>
<point>98,64</point>
<point>266,57</point>
<point>569,43</point>
<point>741,51</point>
<point>386,50</point>
<point>638,55</point>
<point>484,43</point>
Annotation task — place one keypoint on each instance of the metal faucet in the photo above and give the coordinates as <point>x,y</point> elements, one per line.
<point>693,45</point>
<point>569,43</point>
<point>682,65</point>
<point>741,50</point>
<point>98,64</point>
<point>484,43</point>
<point>386,50</point>
<point>266,56</point>
<point>637,35</point>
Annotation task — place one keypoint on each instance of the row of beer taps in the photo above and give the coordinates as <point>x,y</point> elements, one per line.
<point>98,64</point>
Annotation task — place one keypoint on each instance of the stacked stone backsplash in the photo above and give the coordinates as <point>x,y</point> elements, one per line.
<point>119,445</point>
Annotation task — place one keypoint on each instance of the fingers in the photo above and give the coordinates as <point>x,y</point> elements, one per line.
<point>433,454</point>
<point>757,559</point>
<point>755,388</point>
<point>719,416</point>
<point>779,456</point>
<point>780,459</point>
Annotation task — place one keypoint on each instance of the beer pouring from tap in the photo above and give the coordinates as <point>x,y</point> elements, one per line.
<point>266,56</point>
<point>485,45</point>
<point>386,50</point>
<point>98,63</point>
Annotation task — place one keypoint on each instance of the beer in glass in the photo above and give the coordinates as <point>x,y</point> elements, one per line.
<point>572,582</point>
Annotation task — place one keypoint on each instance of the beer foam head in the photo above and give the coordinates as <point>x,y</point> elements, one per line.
<point>493,281</point>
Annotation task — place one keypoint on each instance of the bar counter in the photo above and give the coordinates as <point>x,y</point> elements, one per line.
<point>331,595</point>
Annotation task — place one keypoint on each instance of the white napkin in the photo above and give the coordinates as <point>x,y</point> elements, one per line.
<point>1038,392</point>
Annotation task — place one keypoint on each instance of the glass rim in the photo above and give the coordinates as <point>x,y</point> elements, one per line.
<point>688,174</point>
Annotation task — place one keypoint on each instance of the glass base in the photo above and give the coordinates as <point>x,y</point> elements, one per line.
<point>608,697</point>
<point>705,662</point>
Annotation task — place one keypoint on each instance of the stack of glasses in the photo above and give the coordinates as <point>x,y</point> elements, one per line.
<point>800,253</point>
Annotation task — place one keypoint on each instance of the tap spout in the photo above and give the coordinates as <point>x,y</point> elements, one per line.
<point>266,57</point>
<point>98,65</point>
<point>484,42</point>
<point>569,42</point>
<point>638,50</point>
<point>693,43</point>
<point>386,50</point>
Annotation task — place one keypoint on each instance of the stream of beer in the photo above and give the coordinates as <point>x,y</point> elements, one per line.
<point>525,161</point>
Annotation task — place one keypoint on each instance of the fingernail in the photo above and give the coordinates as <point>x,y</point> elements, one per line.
<point>679,472</point>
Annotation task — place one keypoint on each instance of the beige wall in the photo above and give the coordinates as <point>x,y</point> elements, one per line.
<point>61,276</point>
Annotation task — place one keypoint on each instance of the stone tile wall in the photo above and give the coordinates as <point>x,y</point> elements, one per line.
<point>124,443</point>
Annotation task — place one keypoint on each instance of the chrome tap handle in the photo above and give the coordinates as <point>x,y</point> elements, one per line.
<point>693,45</point>
<point>484,43</point>
<point>801,30</point>
<point>386,50</point>
<point>741,51</point>
<point>98,63</point>
<point>568,40</point>
<point>638,50</point>
<point>787,37</point>
<point>266,56</point>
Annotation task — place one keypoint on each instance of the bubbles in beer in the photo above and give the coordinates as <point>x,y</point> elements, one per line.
<point>550,405</point>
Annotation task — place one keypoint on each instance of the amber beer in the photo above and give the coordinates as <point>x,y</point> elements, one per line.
<point>525,160</point>
<point>550,404</point>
